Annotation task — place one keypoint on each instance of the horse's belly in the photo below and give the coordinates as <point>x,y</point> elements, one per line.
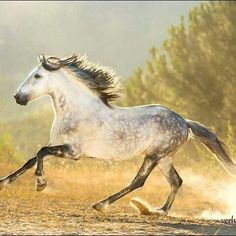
<point>115,150</point>
<point>110,153</point>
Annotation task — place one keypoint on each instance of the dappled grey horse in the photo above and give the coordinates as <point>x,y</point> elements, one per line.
<point>87,125</point>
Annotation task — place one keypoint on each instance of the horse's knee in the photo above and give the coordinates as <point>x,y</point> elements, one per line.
<point>180,182</point>
<point>42,152</point>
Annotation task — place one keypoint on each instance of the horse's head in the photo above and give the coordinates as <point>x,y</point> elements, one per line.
<point>38,82</point>
<point>53,73</point>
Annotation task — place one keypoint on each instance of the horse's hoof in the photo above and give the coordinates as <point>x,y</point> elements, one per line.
<point>142,206</point>
<point>159,212</point>
<point>2,184</point>
<point>41,184</point>
<point>100,206</point>
<point>145,209</point>
<point>40,188</point>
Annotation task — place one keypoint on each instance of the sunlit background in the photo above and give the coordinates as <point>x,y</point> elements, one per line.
<point>116,34</point>
<point>179,54</point>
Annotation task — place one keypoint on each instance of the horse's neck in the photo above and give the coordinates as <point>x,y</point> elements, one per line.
<point>70,99</point>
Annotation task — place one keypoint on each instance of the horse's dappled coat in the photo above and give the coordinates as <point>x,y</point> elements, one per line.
<point>87,124</point>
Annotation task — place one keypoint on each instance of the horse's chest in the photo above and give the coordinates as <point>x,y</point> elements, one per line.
<point>62,130</point>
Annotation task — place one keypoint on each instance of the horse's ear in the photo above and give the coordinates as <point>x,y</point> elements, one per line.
<point>69,60</point>
<point>41,58</point>
<point>38,58</point>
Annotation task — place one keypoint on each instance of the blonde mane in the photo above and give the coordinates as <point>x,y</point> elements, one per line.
<point>98,78</point>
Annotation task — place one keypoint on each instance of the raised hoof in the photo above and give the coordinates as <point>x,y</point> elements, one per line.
<point>100,206</point>
<point>142,207</point>
<point>145,209</point>
<point>41,184</point>
<point>158,212</point>
<point>2,184</point>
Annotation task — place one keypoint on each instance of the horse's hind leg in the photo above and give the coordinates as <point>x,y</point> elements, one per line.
<point>174,181</point>
<point>12,177</point>
<point>148,164</point>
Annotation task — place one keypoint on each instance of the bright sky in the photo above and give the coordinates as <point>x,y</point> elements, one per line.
<point>117,34</point>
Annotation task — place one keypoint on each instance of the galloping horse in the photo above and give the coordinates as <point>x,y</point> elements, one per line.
<point>87,125</point>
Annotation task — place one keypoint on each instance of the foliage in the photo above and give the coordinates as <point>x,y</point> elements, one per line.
<point>194,72</point>
<point>22,138</point>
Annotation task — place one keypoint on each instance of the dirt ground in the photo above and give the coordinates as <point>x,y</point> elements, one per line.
<point>64,207</point>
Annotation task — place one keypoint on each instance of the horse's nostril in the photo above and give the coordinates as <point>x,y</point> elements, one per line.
<point>17,96</point>
<point>21,98</point>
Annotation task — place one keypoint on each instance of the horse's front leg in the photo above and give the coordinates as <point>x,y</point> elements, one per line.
<point>13,176</point>
<point>62,151</point>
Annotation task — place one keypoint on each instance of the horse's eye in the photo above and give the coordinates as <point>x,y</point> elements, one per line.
<point>37,76</point>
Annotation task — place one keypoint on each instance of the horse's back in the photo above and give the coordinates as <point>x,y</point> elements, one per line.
<point>153,112</point>
<point>171,129</point>
<point>148,128</point>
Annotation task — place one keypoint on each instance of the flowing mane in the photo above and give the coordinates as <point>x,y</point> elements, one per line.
<point>98,78</point>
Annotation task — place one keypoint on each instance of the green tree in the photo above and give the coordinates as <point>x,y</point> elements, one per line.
<point>194,72</point>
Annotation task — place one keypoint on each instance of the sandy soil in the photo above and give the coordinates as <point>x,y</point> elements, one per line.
<point>64,207</point>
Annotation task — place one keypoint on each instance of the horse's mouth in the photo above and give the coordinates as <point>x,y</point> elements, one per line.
<point>23,103</point>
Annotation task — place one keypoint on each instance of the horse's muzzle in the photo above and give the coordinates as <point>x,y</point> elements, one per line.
<point>21,98</point>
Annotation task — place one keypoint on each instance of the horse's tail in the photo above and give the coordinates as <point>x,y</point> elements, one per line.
<point>210,140</point>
